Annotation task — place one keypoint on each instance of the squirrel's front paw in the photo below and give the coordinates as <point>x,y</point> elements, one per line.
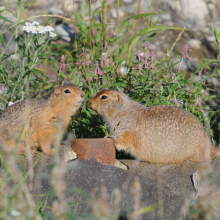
<point>69,155</point>
<point>48,152</point>
<point>121,165</point>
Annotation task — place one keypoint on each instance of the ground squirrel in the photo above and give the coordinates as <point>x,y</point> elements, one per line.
<point>157,134</point>
<point>42,119</point>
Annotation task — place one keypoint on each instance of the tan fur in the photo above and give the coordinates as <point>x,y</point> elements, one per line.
<point>42,120</point>
<point>158,134</point>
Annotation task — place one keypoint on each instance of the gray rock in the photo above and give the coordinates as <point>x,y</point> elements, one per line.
<point>167,185</point>
<point>212,10</point>
<point>195,12</point>
<point>55,11</point>
<point>65,31</point>
<point>194,43</point>
<point>210,38</point>
<point>185,65</point>
<point>127,1</point>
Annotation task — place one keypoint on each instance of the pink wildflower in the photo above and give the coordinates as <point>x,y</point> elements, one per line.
<point>186,51</point>
<point>89,79</point>
<point>146,45</point>
<point>177,103</point>
<point>140,55</point>
<point>98,70</point>
<point>85,60</point>
<point>199,103</point>
<point>173,74</point>
<point>153,61</point>
<point>139,66</point>
<point>107,61</point>
<point>106,55</point>
<point>63,66</point>
<point>106,46</point>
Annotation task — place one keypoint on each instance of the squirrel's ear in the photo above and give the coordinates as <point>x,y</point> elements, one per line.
<point>56,92</point>
<point>119,99</point>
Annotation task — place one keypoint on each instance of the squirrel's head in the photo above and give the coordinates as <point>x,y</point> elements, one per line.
<point>107,100</point>
<point>68,97</point>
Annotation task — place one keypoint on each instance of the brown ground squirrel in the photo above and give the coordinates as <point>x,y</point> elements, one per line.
<point>41,119</point>
<point>158,134</point>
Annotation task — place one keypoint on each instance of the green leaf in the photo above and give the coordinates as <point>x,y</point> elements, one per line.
<point>205,64</point>
<point>125,48</point>
<point>116,84</point>
<point>63,75</point>
<point>135,16</point>
<point>200,81</point>
<point>75,80</point>
<point>210,97</point>
<point>99,25</point>
<point>198,90</point>
<point>148,30</point>
<point>173,88</point>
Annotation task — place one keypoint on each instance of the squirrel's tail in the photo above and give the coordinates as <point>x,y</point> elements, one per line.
<point>215,152</point>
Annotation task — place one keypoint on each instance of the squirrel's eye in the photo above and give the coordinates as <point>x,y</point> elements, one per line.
<point>67,91</point>
<point>104,97</point>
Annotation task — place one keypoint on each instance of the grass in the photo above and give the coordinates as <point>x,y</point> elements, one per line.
<point>93,61</point>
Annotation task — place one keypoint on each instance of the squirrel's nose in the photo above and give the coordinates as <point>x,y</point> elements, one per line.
<point>82,94</point>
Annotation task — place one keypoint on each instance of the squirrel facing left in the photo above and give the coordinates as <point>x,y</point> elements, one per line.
<point>40,121</point>
<point>157,134</point>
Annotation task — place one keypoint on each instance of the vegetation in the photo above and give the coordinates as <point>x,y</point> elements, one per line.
<point>94,60</point>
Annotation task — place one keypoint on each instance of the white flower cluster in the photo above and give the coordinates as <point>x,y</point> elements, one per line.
<point>35,28</point>
<point>14,57</point>
<point>2,8</point>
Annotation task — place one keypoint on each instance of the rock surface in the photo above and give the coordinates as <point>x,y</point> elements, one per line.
<point>164,186</point>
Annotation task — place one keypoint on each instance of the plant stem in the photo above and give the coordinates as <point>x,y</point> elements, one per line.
<point>134,29</point>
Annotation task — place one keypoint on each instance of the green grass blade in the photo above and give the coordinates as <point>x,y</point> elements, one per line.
<point>148,30</point>
<point>133,17</point>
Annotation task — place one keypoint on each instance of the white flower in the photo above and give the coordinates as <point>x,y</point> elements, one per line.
<point>34,31</point>
<point>29,29</point>
<point>2,8</point>
<point>41,29</point>
<point>51,34</point>
<point>14,57</point>
<point>28,24</point>
<point>15,213</point>
<point>36,28</point>
<point>49,28</point>
<point>10,103</point>
<point>35,23</point>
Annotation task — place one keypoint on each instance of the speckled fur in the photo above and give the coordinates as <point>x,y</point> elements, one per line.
<point>42,119</point>
<point>158,134</point>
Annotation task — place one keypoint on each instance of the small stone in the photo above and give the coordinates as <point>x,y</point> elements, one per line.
<point>113,13</point>
<point>65,31</point>
<point>55,11</point>
<point>127,1</point>
<point>194,43</point>
<point>210,38</point>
